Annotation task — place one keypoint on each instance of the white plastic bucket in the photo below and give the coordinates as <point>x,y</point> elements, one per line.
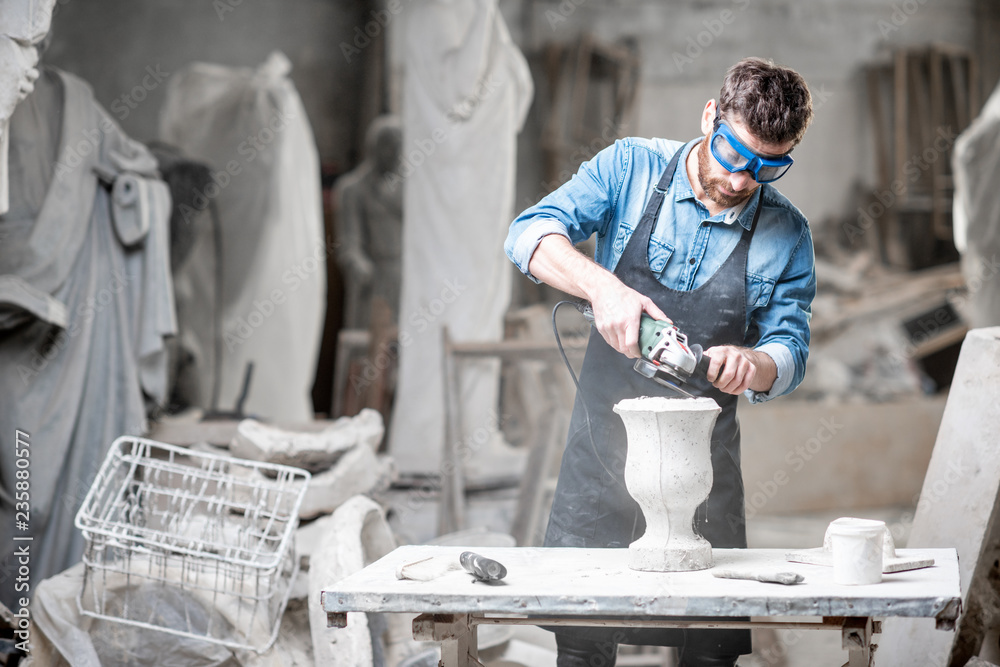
<point>857,550</point>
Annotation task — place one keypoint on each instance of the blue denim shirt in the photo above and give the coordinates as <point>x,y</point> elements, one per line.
<point>607,197</point>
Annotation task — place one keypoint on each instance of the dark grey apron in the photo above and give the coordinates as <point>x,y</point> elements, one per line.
<point>592,508</point>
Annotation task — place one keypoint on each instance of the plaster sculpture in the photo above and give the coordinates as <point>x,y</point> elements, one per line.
<point>668,471</point>
<point>466,93</point>
<point>370,225</point>
<point>25,24</point>
<point>271,293</point>
<point>86,302</point>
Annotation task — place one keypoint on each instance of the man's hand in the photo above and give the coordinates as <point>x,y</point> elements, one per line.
<point>617,307</point>
<point>617,311</point>
<point>734,369</point>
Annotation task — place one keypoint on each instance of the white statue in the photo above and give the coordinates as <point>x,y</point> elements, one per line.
<point>24,24</point>
<point>86,301</point>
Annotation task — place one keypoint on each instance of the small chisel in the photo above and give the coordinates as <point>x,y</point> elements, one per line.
<point>787,578</point>
<point>482,568</point>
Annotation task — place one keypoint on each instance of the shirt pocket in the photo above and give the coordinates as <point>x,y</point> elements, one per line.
<point>759,290</point>
<point>659,252</point>
<point>621,238</point>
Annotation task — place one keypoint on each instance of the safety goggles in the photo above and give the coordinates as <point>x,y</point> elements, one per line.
<point>735,156</point>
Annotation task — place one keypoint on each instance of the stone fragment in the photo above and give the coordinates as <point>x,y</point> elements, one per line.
<point>957,507</point>
<point>357,535</point>
<point>359,471</point>
<point>314,452</point>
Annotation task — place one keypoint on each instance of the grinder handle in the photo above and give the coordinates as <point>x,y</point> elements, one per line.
<point>701,368</point>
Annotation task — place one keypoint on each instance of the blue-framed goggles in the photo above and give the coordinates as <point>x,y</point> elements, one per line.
<point>735,156</point>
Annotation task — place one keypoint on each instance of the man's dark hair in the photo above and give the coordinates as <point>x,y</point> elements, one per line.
<point>773,101</point>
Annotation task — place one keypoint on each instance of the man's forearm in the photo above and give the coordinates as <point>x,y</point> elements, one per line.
<point>557,263</point>
<point>617,307</point>
<point>767,371</point>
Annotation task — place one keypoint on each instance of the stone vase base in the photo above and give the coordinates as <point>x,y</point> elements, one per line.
<point>651,557</point>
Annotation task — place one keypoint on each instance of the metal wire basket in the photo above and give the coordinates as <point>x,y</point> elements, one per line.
<point>194,544</point>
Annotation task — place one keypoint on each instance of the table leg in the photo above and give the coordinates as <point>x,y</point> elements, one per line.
<point>856,638</point>
<point>455,632</point>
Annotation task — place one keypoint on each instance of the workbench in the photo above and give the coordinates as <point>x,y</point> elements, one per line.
<point>595,587</point>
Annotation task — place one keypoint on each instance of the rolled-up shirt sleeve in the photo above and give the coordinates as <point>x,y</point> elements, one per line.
<point>521,247</point>
<point>582,206</point>
<point>786,371</point>
<point>784,323</point>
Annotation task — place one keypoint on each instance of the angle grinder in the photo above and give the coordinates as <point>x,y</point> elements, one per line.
<point>667,358</point>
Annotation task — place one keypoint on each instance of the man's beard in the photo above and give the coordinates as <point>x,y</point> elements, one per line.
<point>712,186</point>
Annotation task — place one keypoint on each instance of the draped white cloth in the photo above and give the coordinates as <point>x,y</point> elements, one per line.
<point>250,127</point>
<point>466,93</point>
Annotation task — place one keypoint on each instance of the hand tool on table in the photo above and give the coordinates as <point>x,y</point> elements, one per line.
<point>786,578</point>
<point>482,568</point>
<point>432,567</point>
<point>427,569</point>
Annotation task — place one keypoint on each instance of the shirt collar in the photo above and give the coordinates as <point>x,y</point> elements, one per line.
<point>742,213</point>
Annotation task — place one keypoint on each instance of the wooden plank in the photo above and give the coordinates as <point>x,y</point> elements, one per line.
<point>900,103</point>
<point>451,514</point>
<point>881,139</point>
<point>542,468</point>
<point>941,165</point>
<point>960,88</point>
<point>515,350</point>
<point>581,86</point>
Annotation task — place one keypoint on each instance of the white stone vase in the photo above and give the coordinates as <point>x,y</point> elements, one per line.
<point>668,471</point>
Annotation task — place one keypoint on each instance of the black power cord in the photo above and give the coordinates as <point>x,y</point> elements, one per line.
<point>584,308</point>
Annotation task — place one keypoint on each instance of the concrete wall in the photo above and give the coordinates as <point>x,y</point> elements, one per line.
<point>802,456</point>
<point>110,43</point>
<point>686,46</point>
